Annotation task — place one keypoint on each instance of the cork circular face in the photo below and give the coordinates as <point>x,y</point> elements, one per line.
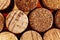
<point>52,4</point>
<point>53,34</point>
<point>1,22</point>
<point>7,36</point>
<point>31,35</point>
<point>41,19</point>
<point>4,4</point>
<point>26,5</point>
<point>16,21</point>
<point>57,19</point>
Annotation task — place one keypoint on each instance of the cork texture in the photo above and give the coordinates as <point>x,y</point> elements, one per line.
<point>57,19</point>
<point>26,5</point>
<point>31,35</point>
<point>4,4</point>
<point>41,19</point>
<point>53,34</point>
<point>1,22</point>
<point>16,21</point>
<point>52,4</point>
<point>7,36</point>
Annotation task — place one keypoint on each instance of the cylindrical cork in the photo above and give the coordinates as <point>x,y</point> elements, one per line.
<point>53,34</point>
<point>31,35</point>
<point>41,19</point>
<point>16,8</point>
<point>7,36</point>
<point>57,19</point>
<point>26,5</point>
<point>4,4</point>
<point>1,22</point>
<point>52,4</point>
<point>16,21</point>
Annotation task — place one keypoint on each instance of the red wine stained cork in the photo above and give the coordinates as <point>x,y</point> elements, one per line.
<point>41,19</point>
<point>16,21</point>
<point>4,4</point>
<point>52,4</point>
<point>53,34</point>
<point>57,19</point>
<point>1,22</point>
<point>26,5</point>
<point>7,36</point>
<point>31,35</point>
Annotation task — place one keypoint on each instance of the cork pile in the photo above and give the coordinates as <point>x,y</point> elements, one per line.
<point>29,19</point>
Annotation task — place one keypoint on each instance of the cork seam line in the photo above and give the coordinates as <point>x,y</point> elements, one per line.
<point>37,36</point>
<point>4,4</point>
<point>15,19</point>
<point>57,33</point>
<point>13,28</point>
<point>32,35</point>
<point>12,18</point>
<point>14,24</point>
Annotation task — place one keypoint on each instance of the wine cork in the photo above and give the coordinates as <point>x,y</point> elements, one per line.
<point>15,8</point>
<point>53,34</point>
<point>16,21</point>
<point>52,4</point>
<point>31,35</point>
<point>7,36</point>
<point>57,19</point>
<point>26,5</point>
<point>1,22</point>
<point>41,19</point>
<point>4,4</point>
